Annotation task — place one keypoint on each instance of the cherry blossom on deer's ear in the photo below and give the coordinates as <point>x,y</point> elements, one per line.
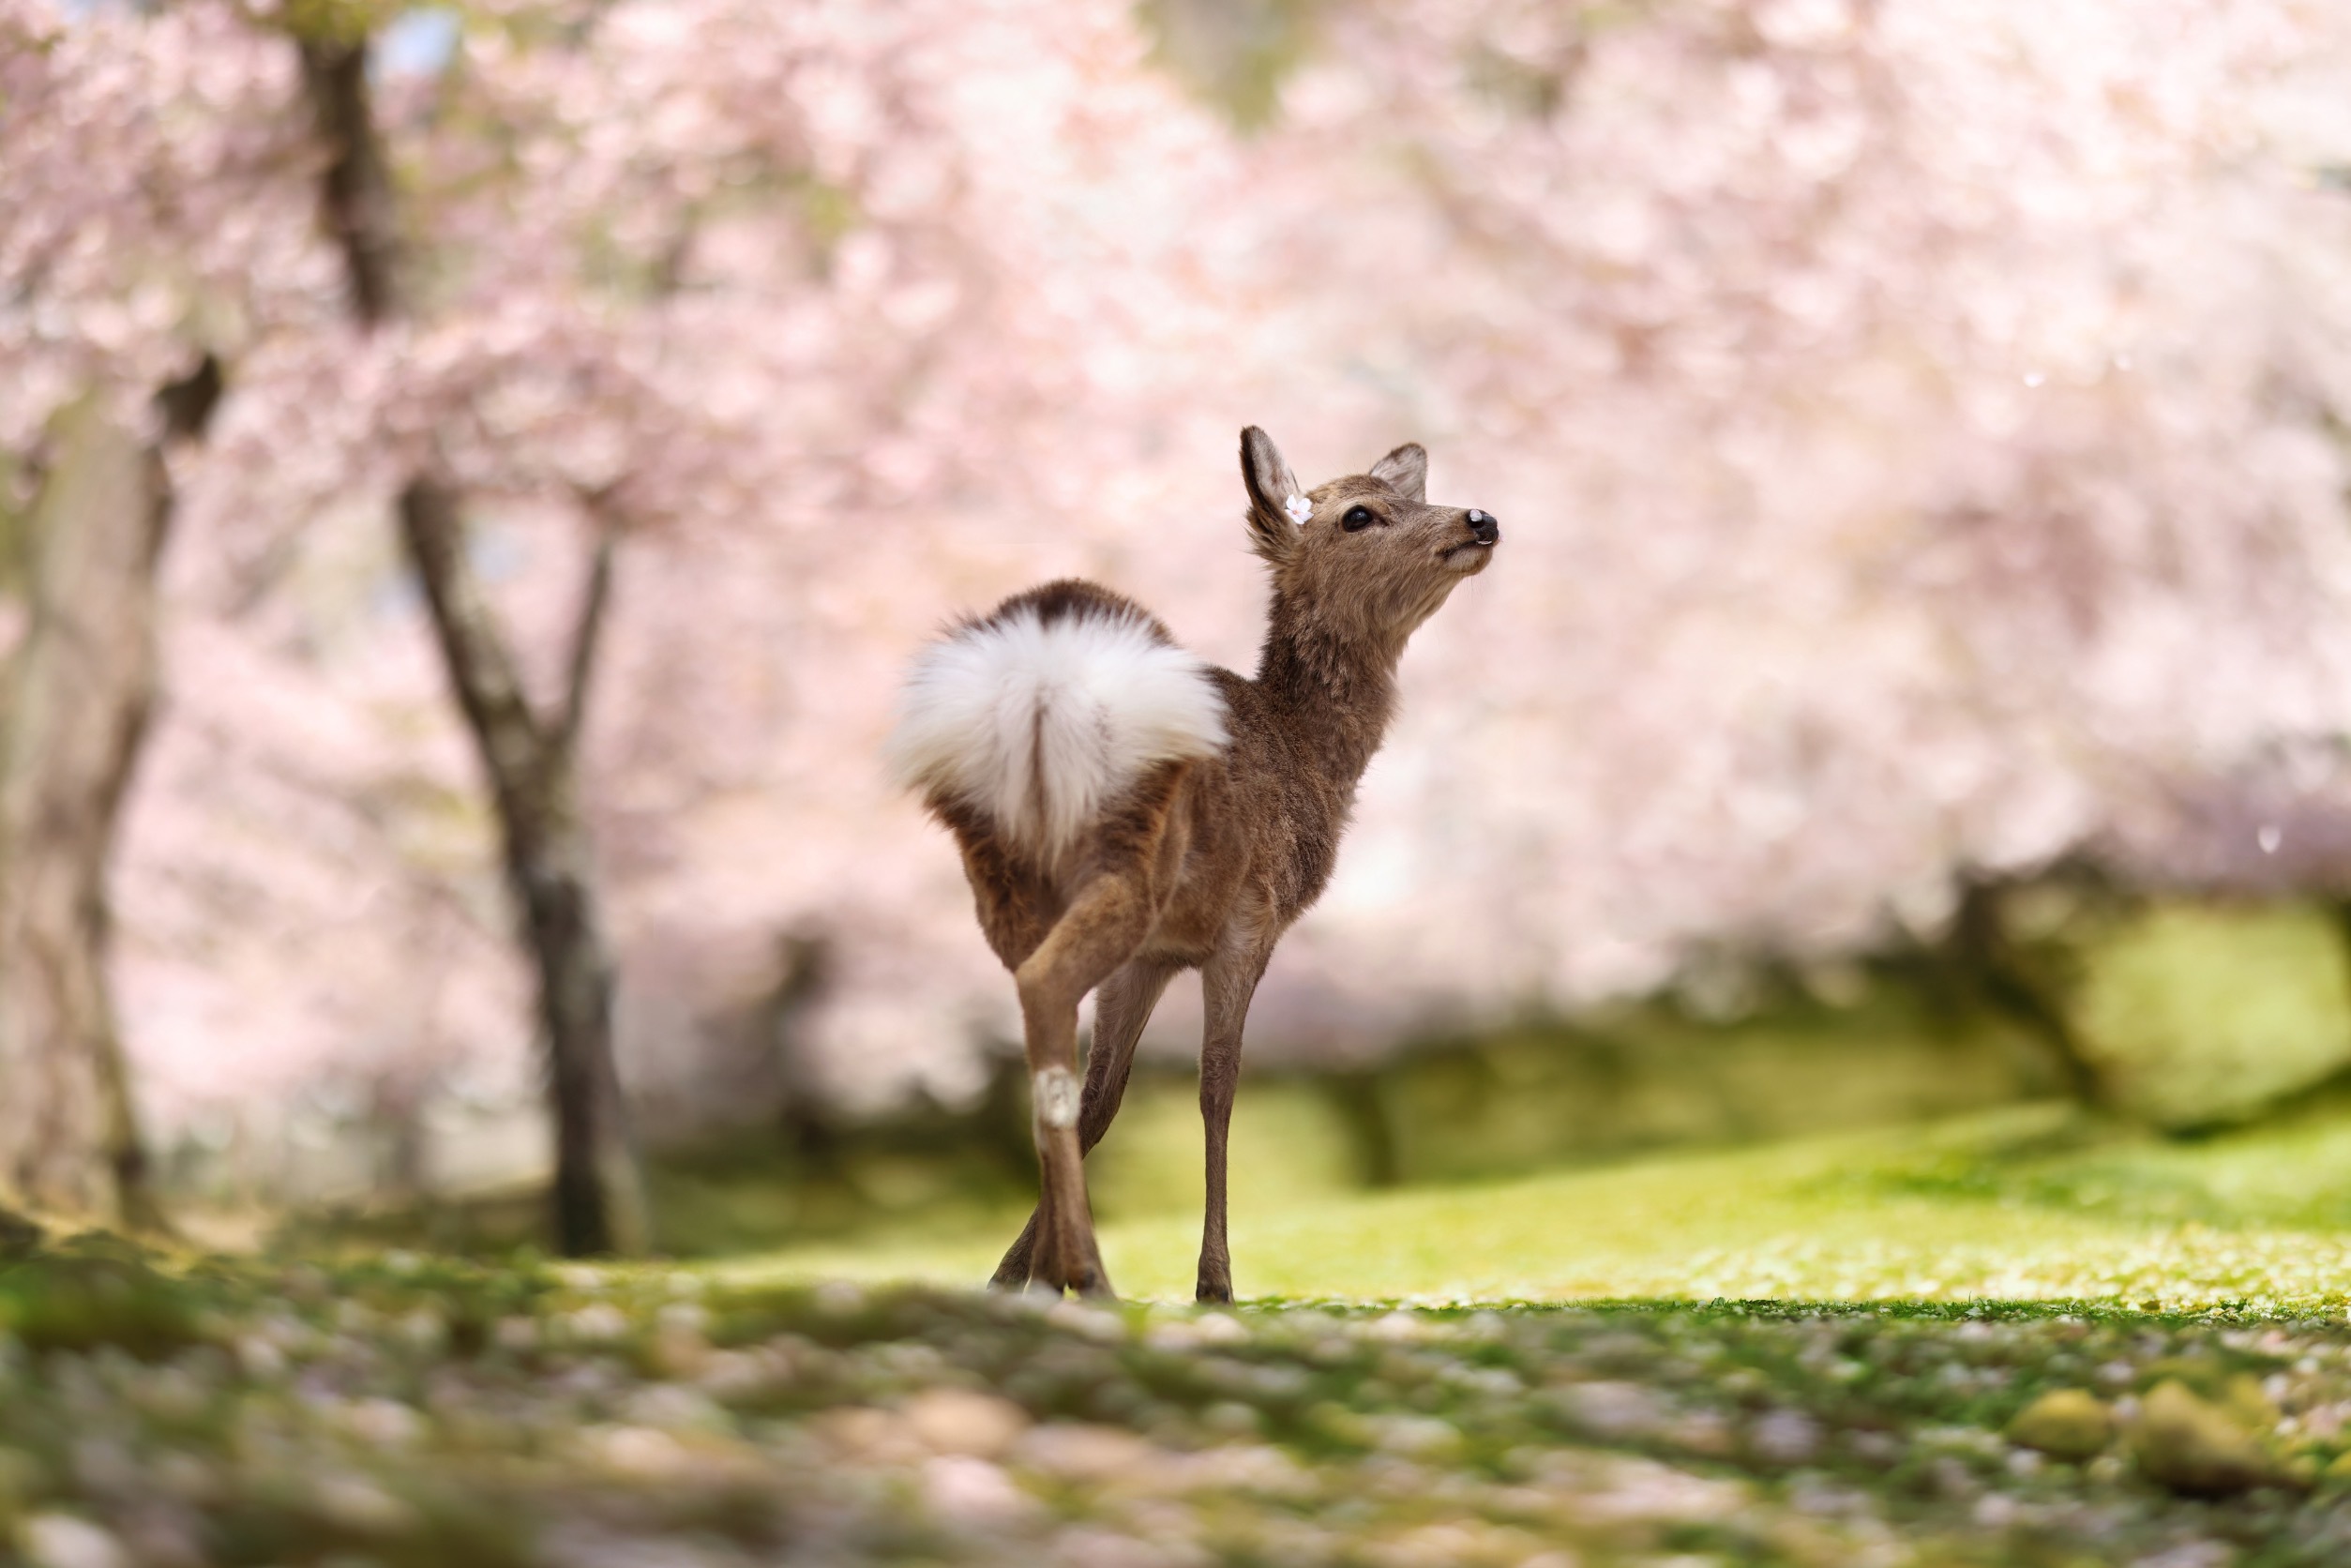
<point>1405,470</point>
<point>1275,497</point>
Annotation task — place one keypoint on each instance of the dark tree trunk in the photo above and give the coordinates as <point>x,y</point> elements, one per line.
<point>1355,1095</point>
<point>1992,966</point>
<point>531,763</point>
<point>534,774</point>
<point>78,696</point>
<point>361,208</point>
<point>803,965</point>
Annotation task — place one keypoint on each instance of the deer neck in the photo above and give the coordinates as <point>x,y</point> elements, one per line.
<point>1332,688</point>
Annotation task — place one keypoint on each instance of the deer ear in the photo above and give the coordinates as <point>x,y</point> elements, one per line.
<point>1276,498</point>
<point>1405,470</point>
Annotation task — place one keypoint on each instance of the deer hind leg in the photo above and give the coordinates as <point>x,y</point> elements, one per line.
<point>1227,981</point>
<point>1122,1008</point>
<point>1103,925</point>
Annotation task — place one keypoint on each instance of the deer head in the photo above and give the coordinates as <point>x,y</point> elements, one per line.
<point>1365,559</point>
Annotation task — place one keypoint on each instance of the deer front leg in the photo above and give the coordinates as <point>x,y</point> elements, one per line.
<point>1122,1008</point>
<point>1227,981</point>
<point>1100,930</point>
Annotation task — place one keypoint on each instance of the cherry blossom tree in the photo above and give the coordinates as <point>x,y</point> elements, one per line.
<point>1918,419</point>
<point>136,220</point>
<point>722,322</point>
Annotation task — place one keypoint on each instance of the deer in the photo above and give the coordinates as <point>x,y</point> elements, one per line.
<point>1127,811</point>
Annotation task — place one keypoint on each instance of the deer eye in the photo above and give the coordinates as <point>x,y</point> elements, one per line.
<point>1357,517</point>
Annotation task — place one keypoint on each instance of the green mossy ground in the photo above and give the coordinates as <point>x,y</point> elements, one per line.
<point>1533,1372</point>
<point>2032,1203</point>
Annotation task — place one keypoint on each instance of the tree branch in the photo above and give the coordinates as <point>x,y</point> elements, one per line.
<point>587,635</point>
<point>358,188</point>
<point>481,667</point>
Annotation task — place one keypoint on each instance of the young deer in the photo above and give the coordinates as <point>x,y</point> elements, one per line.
<point>1126,810</point>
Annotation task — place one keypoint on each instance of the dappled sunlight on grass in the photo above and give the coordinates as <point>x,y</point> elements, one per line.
<point>2019,1338</point>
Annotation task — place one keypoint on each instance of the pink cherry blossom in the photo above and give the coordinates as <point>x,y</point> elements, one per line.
<point>1915,429</point>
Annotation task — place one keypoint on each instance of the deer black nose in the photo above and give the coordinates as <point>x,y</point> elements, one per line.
<point>1485,526</point>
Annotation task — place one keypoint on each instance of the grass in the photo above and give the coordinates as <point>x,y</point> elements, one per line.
<point>2033,1203</point>
<point>2019,1338</point>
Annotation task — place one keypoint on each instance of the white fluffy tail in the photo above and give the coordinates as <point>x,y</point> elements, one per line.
<point>1041,721</point>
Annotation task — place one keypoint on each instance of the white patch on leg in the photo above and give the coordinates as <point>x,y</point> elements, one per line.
<point>1057,1097</point>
